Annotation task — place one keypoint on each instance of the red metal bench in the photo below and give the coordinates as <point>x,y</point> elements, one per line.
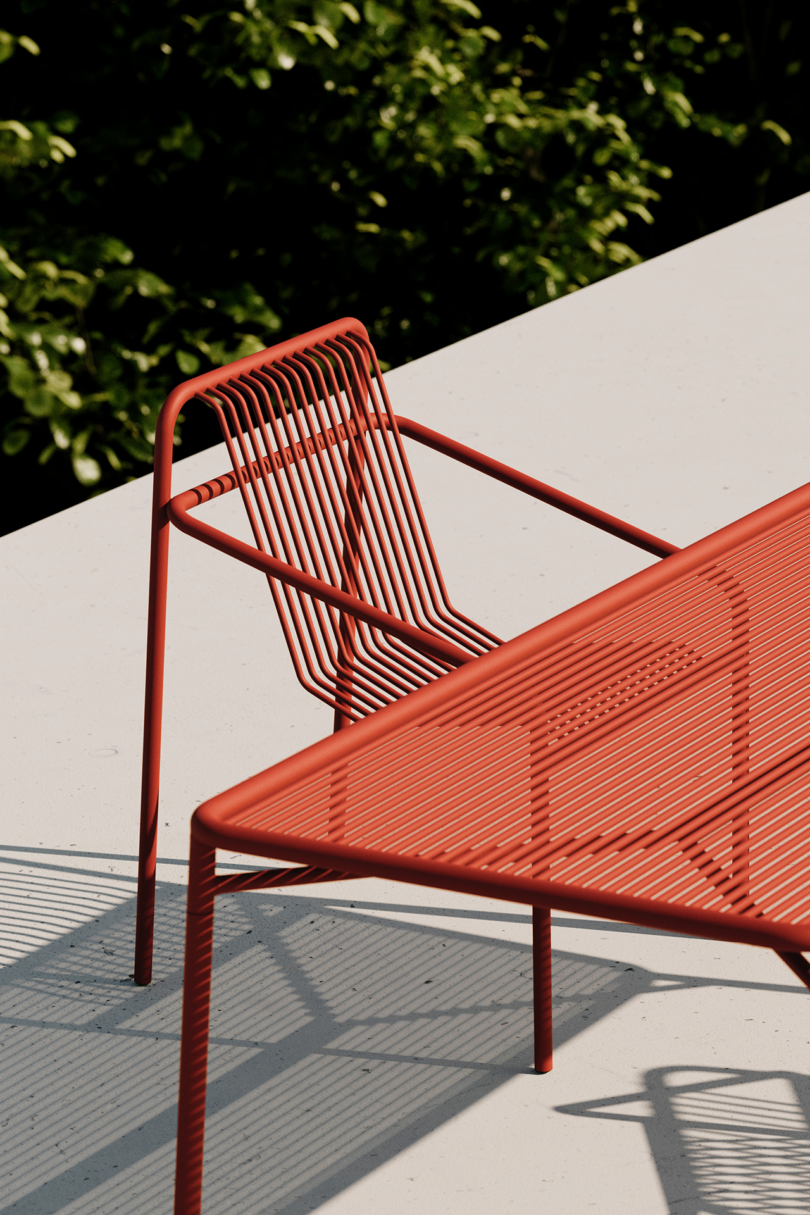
<point>644,756</point>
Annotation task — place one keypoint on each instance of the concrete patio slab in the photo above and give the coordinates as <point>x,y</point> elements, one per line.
<point>371,1042</point>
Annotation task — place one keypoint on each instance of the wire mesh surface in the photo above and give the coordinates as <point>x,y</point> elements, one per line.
<point>654,757</point>
<point>324,478</point>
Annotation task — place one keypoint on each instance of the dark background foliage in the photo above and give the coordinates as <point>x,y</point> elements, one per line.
<point>184,183</point>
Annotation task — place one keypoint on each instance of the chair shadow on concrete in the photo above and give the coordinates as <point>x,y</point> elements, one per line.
<point>725,1141</point>
<point>338,1039</point>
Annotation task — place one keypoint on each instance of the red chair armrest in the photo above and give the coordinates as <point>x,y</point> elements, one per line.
<point>426,643</point>
<point>536,489</point>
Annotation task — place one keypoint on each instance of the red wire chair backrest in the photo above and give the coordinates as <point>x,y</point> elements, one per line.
<point>327,488</point>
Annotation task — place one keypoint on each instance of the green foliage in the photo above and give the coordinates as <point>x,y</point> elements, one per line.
<point>82,391</point>
<point>72,383</point>
<point>426,164</point>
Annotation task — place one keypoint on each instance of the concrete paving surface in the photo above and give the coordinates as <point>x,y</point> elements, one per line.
<point>371,1042</point>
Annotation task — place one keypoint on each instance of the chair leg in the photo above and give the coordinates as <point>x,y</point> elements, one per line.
<point>541,966</point>
<point>194,1032</point>
<point>153,715</point>
<point>145,905</point>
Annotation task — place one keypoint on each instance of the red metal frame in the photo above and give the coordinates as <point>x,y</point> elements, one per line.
<point>642,679</point>
<point>642,756</point>
<point>317,457</point>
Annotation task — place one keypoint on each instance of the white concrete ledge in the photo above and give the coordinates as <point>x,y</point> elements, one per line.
<point>676,396</point>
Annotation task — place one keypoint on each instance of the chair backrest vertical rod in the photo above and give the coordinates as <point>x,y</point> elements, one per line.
<point>326,485</point>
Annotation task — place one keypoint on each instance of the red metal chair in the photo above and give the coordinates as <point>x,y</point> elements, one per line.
<point>644,756</point>
<point>318,458</point>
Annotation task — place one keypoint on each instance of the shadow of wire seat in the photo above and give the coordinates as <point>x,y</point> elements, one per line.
<point>723,1140</point>
<point>643,756</point>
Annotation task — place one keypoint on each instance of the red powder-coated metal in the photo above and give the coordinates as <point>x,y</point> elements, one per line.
<point>643,756</point>
<point>541,980</point>
<point>318,459</point>
<point>338,530</point>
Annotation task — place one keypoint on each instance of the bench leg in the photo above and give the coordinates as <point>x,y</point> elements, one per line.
<point>541,965</point>
<point>194,1033</point>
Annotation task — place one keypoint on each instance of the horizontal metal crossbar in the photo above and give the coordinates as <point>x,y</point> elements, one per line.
<point>272,879</point>
<point>645,755</point>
